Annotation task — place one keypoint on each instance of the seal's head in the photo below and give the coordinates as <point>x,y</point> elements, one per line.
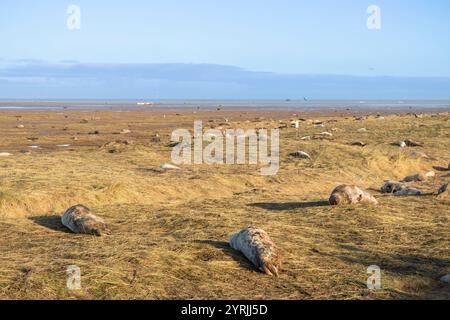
<point>336,199</point>
<point>391,187</point>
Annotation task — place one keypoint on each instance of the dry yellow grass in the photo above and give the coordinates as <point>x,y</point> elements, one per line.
<point>170,229</point>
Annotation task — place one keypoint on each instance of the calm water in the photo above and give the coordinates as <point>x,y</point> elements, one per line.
<point>286,105</point>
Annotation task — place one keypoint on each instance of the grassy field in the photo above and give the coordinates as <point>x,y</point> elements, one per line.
<point>170,228</point>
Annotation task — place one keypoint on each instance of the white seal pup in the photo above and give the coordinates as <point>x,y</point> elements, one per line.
<point>125,131</point>
<point>80,219</point>
<point>346,194</point>
<point>257,247</point>
<point>5,154</point>
<point>168,166</point>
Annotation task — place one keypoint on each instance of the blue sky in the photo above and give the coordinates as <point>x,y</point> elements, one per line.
<point>324,37</point>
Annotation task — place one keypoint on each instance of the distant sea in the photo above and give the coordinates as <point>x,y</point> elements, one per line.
<point>239,105</point>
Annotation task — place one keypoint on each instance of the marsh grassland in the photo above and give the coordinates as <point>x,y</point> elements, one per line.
<point>170,228</point>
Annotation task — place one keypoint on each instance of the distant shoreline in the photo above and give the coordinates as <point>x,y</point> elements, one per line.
<point>231,105</point>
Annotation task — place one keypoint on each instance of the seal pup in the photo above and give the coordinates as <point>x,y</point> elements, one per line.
<point>419,177</point>
<point>301,155</point>
<point>358,143</point>
<point>168,166</point>
<point>410,143</point>
<point>5,154</point>
<point>80,219</point>
<point>125,131</point>
<point>444,191</point>
<point>400,144</point>
<point>257,247</point>
<point>346,194</point>
<point>408,192</point>
<point>391,187</point>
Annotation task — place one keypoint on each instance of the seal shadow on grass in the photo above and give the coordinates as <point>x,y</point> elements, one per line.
<point>399,263</point>
<point>442,169</point>
<point>226,249</point>
<point>51,222</point>
<point>402,264</point>
<point>289,205</point>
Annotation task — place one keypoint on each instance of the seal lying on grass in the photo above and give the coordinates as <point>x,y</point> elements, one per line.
<point>399,189</point>
<point>410,143</point>
<point>391,187</point>
<point>351,195</point>
<point>300,155</point>
<point>257,246</point>
<point>358,143</point>
<point>409,191</point>
<point>80,219</point>
<point>419,177</point>
<point>444,191</point>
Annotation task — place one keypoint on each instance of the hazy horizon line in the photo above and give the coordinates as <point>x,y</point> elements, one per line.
<point>73,63</point>
<point>34,79</point>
